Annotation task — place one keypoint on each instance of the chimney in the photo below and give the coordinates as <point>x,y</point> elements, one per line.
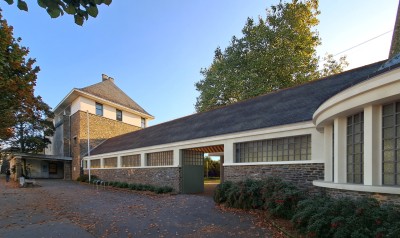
<point>395,46</point>
<point>104,77</point>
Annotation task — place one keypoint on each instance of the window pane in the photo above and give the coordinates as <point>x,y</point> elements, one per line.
<point>388,109</point>
<point>388,168</point>
<point>388,179</point>
<point>388,121</point>
<point>388,144</point>
<point>388,156</point>
<point>119,115</point>
<point>358,178</point>
<point>350,178</point>
<point>388,133</point>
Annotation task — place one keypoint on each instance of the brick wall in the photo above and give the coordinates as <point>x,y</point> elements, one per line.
<point>100,129</point>
<point>300,174</point>
<point>167,176</point>
<point>383,198</point>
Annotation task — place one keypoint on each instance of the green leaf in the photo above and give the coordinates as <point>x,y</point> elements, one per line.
<point>98,2</point>
<point>70,9</point>
<point>22,5</point>
<point>9,1</point>
<point>78,20</point>
<point>54,12</point>
<point>93,11</point>
<point>107,2</point>
<point>42,4</point>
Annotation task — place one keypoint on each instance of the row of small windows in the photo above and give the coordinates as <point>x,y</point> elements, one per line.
<point>118,113</point>
<point>164,158</point>
<point>293,148</point>
<point>390,146</point>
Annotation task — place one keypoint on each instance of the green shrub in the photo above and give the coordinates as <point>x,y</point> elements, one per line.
<point>124,185</point>
<point>167,189</point>
<point>117,184</point>
<point>278,197</point>
<point>327,217</point>
<point>132,186</point>
<point>220,192</point>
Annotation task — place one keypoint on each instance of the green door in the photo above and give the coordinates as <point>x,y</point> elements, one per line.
<point>192,171</point>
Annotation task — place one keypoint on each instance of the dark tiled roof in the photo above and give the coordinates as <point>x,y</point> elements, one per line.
<point>109,91</point>
<point>292,105</point>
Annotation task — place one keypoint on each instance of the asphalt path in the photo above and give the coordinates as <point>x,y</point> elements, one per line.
<point>59,208</point>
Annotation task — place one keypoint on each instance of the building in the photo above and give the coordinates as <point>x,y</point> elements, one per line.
<point>85,118</point>
<point>340,133</point>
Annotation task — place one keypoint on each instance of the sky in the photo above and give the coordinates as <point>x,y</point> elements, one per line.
<point>155,49</point>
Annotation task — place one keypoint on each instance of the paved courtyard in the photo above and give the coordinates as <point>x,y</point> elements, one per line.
<point>70,209</point>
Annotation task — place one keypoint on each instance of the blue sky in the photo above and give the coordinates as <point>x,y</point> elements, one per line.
<point>154,49</point>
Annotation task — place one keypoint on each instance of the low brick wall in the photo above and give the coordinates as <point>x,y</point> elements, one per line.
<point>381,197</point>
<point>152,176</point>
<point>300,174</point>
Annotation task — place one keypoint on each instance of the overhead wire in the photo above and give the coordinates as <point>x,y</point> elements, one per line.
<point>373,38</point>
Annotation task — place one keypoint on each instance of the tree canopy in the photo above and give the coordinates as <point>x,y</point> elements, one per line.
<point>274,53</point>
<point>80,9</point>
<point>24,120</point>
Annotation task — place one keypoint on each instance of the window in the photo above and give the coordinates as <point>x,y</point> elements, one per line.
<point>355,150</point>
<point>95,163</point>
<point>143,122</point>
<point>99,109</point>
<point>111,162</point>
<point>160,158</point>
<point>391,144</point>
<point>119,115</point>
<point>282,149</point>
<point>130,161</point>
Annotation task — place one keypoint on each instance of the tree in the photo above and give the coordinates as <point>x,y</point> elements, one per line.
<point>17,77</point>
<point>24,117</point>
<point>211,167</point>
<point>55,8</point>
<point>274,53</point>
<point>331,66</point>
<point>33,127</point>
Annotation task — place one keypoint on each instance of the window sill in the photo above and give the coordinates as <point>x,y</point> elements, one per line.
<point>358,187</point>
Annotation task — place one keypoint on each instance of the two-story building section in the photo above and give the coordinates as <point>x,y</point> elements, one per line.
<point>88,116</point>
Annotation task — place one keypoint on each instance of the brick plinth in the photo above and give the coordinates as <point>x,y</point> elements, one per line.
<point>169,176</point>
<point>300,174</point>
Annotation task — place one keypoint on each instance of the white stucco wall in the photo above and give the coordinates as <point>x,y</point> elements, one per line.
<point>131,118</point>
<point>86,104</point>
<point>83,104</point>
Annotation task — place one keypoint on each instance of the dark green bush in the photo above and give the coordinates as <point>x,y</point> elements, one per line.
<point>124,185</point>
<point>327,217</point>
<point>117,184</point>
<point>278,197</point>
<point>220,193</point>
<point>132,186</point>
